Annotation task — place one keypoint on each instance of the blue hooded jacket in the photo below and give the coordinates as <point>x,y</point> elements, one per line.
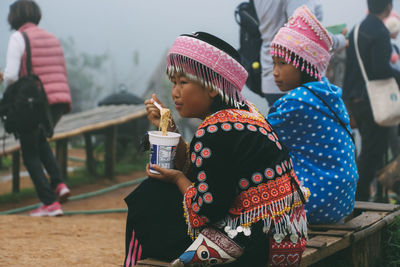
<point>322,150</point>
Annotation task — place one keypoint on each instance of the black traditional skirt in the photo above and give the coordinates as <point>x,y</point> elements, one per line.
<point>156,223</point>
<point>155,216</point>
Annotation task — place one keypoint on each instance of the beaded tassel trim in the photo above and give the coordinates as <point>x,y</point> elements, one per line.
<point>283,217</point>
<point>291,58</point>
<point>199,73</point>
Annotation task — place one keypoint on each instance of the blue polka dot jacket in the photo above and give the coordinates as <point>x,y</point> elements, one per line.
<point>322,150</point>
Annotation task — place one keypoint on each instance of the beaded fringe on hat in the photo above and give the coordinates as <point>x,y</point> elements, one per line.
<point>291,58</point>
<point>197,72</point>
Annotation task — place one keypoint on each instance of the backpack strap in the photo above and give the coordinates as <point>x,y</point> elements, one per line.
<point>337,117</point>
<point>396,49</point>
<point>28,54</point>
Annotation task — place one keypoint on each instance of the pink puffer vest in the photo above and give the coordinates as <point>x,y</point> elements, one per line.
<point>48,63</point>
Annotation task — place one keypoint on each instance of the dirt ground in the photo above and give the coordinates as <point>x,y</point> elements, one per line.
<point>75,240</point>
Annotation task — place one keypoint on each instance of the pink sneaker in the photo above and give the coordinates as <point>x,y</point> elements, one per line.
<point>62,192</point>
<point>47,210</point>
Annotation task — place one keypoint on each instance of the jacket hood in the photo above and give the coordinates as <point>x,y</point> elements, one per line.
<point>331,95</point>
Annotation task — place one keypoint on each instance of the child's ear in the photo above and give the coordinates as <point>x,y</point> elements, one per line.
<point>212,93</point>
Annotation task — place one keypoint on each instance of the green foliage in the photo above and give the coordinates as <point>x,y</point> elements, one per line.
<point>391,250</point>
<point>132,162</point>
<point>26,193</point>
<point>6,162</point>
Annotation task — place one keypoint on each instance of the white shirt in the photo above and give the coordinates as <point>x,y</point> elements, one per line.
<point>15,52</point>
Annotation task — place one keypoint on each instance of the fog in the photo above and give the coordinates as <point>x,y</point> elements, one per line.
<point>121,27</point>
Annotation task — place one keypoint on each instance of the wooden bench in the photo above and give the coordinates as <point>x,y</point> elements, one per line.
<point>104,118</point>
<point>360,236</point>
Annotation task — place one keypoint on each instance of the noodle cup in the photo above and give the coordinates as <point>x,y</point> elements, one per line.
<point>163,149</point>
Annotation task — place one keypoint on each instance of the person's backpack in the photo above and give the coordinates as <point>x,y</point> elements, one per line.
<point>24,105</point>
<point>250,44</point>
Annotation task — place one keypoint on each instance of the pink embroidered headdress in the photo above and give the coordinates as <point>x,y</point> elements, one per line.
<point>303,37</point>
<point>210,61</point>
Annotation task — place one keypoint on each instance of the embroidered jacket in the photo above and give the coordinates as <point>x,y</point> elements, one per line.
<point>242,174</point>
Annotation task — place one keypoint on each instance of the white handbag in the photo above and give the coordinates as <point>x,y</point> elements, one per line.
<point>384,95</point>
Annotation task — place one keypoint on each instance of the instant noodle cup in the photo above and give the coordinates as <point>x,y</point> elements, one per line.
<point>163,149</point>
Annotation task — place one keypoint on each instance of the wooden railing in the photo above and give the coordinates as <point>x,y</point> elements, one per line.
<point>104,118</point>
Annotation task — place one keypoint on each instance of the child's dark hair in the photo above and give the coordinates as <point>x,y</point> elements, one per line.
<point>376,7</point>
<point>218,104</point>
<point>23,11</point>
<point>305,77</point>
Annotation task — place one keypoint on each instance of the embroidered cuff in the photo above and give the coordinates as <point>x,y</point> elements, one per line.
<point>191,208</point>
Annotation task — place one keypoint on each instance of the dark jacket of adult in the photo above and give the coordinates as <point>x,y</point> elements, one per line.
<point>375,51</point>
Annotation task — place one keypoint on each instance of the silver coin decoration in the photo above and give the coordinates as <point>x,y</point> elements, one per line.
<point>294,238</point>
<point>247,231</point>
<point>232,233</point>
<point>277,238</point>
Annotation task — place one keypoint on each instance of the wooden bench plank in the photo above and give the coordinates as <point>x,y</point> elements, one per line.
<point>99,118</point>
<point>372,206</point>
<point>333,245</point>
<point>324,227</point>
<point>153,263</point>
<point>329,233</point>
<point>316,243</point>
<point>375,227</point>
<point>367,218</point>
<point>356,224</point>
<point>309,251</point>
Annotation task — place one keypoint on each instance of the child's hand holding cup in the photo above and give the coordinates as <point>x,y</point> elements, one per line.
<point>163,149</point>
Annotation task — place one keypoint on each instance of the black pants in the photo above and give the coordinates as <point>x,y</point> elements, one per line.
<point>37,151</point>
<point>374,145</point>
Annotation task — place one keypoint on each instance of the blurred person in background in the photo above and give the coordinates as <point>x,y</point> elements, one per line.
<point>375,51</point>
<point>392,23</point>
<point>49,64</point>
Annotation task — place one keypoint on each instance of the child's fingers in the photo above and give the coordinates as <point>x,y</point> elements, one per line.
<point>148,101</point>
<point>151,107</point>
<point>155,98</point>
<point>161,170</point>
<point>154,112</point>
<point>156,168</point>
